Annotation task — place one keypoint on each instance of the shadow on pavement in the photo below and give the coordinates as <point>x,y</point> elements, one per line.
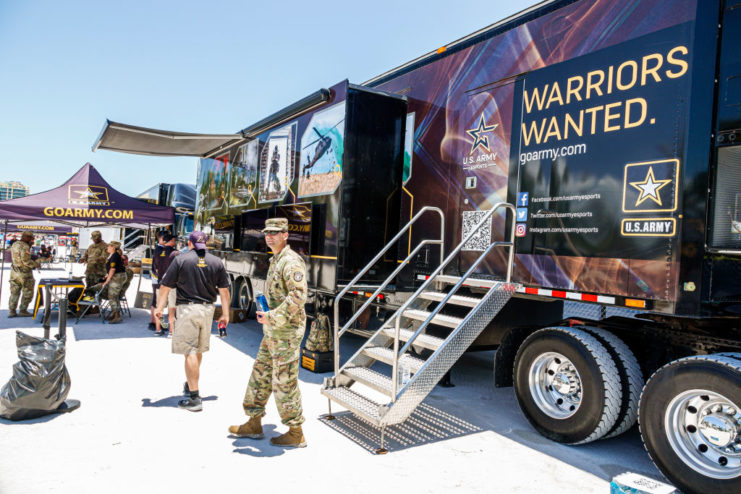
<point>171,401</point>
<point>260,448</point>
<point>426,425</point>
<point>475,406</point>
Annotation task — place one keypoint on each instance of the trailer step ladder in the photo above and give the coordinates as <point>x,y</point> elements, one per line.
<point>399,373</point>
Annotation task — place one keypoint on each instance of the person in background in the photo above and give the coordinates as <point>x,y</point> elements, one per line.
<point>198,277</point>
<point>129,274</point>
<point>21,275</point>
<point>115,280</point>
<point>153,322</point>
<point>95,257</point>
<point>162,262</point>
<point>277,362</point>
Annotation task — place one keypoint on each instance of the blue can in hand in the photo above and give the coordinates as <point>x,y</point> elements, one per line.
<point>262,302</point>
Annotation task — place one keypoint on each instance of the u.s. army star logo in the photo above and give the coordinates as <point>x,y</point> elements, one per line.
<point>298,276</point>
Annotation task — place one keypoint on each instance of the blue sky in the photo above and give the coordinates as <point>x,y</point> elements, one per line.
<point>193,66</point>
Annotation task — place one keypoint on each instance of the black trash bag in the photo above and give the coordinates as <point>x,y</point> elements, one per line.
<point>40,381</point>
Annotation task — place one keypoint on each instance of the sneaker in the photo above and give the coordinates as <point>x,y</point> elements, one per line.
<point>152,326</point>
<point>191,404</point>
<point>159,332</point>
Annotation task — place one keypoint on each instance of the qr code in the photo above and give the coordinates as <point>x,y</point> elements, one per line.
<point>482,238</point>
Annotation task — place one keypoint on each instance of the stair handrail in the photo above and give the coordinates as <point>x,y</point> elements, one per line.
<point>339,332</point>
<point>397,315</point>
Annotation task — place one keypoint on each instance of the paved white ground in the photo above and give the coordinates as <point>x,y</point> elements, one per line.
<point>129,435</point>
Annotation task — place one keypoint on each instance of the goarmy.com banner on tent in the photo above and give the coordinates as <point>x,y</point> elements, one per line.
<point>115,214</point>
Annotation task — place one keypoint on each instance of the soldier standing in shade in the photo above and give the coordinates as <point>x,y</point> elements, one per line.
<point>115,280</point>
<point>95,257</point>
<point>277,362</point>
<point>21,275</point>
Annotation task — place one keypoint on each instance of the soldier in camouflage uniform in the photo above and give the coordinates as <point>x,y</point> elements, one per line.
<point>95,257</point>
<point>277,362</point>
<point>115,280</point>
<point>21,275</point>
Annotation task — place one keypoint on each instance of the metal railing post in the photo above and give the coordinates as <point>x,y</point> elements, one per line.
<point>402,231</point>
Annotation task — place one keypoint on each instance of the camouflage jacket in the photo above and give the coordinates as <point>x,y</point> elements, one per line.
<point>96,254</point>
<point>21,253</point>
<point>286,291</point>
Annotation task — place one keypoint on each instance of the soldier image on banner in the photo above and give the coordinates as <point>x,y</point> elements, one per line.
<point>21,275</point>
<point>95,257</point>
<point>277,363</point>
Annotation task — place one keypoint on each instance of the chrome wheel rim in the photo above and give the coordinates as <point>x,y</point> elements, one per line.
<point>244,296</point>
<point>555,385</point>
<point>704,430</point>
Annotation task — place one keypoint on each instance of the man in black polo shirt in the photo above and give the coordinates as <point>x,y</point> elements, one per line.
<point>160,263</point>
<point>198,277</point>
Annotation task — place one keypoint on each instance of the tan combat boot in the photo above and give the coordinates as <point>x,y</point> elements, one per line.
<point>24,313</point>
<point>115,318</point>
<point>252,429</point>
<point>294,438</point>
<point>12,313</point>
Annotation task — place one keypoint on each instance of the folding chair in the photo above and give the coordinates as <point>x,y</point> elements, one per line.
<point>86,305</point>
<point>124,304</point>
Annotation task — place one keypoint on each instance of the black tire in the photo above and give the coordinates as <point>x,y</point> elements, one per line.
<point>631,378</point>
<point>243,298</point>
<point>595,376</point>
<point>673,397</point>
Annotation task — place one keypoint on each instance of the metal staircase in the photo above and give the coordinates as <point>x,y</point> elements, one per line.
<point>403,379</point>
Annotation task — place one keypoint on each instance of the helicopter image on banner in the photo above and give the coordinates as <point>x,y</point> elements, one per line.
<point>323,144</point>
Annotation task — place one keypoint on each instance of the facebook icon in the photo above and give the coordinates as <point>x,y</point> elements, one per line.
<point>522,198</point>
<point>521,214</point>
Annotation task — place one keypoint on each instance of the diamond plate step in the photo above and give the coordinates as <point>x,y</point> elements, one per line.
<point>355,402</point>
<point>474,282</point>
<point>423,340</point>
<point>386,355</point>
<point>440,319</point>
<point>455,299</point>
<point>370,378</point>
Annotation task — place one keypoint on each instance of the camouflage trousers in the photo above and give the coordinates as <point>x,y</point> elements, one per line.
<point>115,290</point>
<point>20,282</point>
<point>94,273</point>
<point>276,371</point>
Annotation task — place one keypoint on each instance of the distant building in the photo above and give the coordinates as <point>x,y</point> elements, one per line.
<point>12,190</point>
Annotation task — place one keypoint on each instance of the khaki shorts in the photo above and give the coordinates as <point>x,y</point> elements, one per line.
<point>192,328</point>
<point>172,297</point>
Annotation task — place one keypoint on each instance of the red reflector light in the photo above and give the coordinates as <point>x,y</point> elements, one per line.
<point>589,298</point>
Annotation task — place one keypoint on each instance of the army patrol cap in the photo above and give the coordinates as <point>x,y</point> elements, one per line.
<point>273,225</point>
<point>96,234</point>
<point>115,244</point>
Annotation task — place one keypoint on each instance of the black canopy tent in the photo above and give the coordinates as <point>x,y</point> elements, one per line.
<point>85,200</point>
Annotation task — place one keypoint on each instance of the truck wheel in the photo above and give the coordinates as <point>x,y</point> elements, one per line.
<point>631,378</point>
<point>244,297</point>
<point>690,422</point>
<point>567,385</point>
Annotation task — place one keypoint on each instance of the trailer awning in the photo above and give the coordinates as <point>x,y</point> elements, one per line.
<point>152,142</point>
